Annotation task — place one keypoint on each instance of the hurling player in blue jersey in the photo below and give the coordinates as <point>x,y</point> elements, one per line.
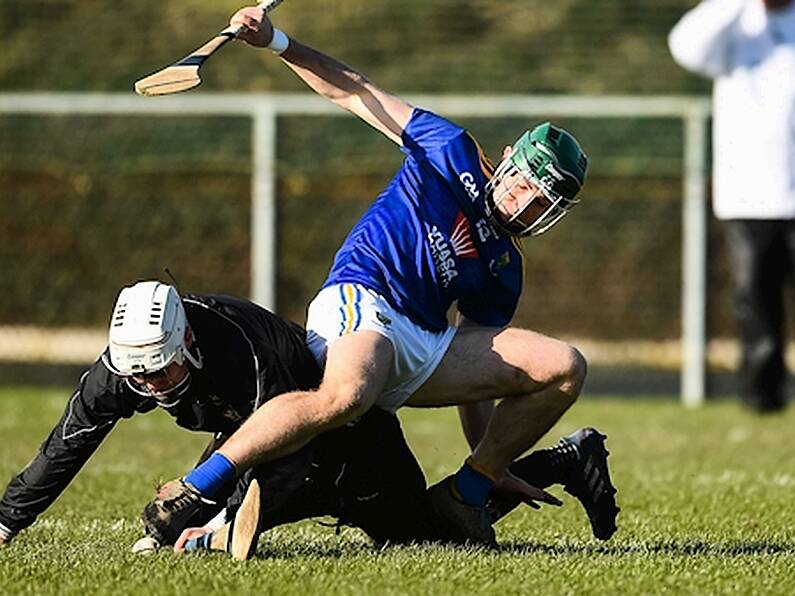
<point>445,231</point>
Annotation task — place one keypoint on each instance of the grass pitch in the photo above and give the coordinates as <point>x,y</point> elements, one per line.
<point>706,498</point>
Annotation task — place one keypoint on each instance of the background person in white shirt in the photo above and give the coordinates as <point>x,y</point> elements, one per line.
<point>748,48</point>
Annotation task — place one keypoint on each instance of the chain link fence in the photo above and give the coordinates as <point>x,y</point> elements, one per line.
<point>90,203</point>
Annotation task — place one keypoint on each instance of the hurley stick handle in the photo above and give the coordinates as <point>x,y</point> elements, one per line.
<point>232,31</point>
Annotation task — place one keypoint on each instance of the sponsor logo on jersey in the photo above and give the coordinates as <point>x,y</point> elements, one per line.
<point>383,319</point>
<point>459,244</point>
<point>485,231</point>
<point>442,256</point>
<point>461,238</point>
<point>500,262</point>
<point>231,414</point>
<point>470,186</point>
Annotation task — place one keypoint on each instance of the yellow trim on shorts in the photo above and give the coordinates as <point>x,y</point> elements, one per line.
<point>350,315</point>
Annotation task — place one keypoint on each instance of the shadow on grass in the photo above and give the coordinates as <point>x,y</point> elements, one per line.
<point>688,548</point>
<point>312,550</point>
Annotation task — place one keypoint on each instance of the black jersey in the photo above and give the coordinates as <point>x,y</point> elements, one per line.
<point>249,356</point>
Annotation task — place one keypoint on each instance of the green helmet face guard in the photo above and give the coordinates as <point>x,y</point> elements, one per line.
<point>551,160</point>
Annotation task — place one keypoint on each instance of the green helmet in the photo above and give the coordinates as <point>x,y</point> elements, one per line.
<point>552,161</point>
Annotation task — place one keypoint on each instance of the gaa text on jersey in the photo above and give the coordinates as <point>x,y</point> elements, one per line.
<point>468,180</point>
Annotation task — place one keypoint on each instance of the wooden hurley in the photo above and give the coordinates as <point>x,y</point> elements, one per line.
<point>184,75</point>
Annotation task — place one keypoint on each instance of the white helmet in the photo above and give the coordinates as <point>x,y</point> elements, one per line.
<point>148,330</point>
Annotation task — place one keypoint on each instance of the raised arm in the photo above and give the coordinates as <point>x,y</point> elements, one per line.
<point>330,78</point>
<point>701,40</point>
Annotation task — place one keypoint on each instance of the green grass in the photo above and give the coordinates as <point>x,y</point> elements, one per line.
<point>706,498</point>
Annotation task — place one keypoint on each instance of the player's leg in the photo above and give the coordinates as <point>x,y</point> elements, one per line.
<point>381,486</point>
<point>293,488</point>
<point>363,473</point>
<point>357,367</point>
<point>789,242</point>
<point>759,270</point>
<point>538,377</point>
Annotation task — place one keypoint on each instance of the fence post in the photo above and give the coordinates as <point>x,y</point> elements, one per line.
<point>263,206</point>
<point>694,256</point>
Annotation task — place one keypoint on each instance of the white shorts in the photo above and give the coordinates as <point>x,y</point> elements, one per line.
<point>346,308</point>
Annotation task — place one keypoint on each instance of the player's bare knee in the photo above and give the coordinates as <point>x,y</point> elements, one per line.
<point>556,364</point>
<point>575,369</point>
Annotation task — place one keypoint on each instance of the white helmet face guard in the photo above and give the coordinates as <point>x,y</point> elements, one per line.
<point>537,212</point>
<point>165,398</point>
<point>148,333</point>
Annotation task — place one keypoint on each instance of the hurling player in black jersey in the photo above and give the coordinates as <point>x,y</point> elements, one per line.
<point>210,361</point>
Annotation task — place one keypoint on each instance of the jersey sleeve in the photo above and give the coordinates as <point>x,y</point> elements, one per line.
<point>89,416</point>
<point>431,138</point>
<point>427,133</point>
<point>449,149</point>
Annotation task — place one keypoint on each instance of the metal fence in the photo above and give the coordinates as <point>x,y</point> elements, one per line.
<point>263,111</point>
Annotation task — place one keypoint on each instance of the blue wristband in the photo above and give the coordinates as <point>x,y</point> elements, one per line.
<point>210,476</point>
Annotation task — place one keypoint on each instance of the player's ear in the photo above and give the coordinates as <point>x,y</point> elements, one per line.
<point>188,336</point>
<point>506,152</point>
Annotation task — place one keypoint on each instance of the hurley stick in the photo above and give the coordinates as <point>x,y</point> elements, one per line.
<point>184,75</point>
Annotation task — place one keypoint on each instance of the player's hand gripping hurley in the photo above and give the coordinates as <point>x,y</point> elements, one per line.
<point>184,75</point>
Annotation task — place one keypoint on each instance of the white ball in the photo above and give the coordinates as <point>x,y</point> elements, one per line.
<point>146,546</point>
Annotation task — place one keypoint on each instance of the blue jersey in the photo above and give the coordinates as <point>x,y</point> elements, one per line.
<point>426,241</point>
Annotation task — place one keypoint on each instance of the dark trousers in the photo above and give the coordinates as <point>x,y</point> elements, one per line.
<point>762,256</point>
<point>365,475</point>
